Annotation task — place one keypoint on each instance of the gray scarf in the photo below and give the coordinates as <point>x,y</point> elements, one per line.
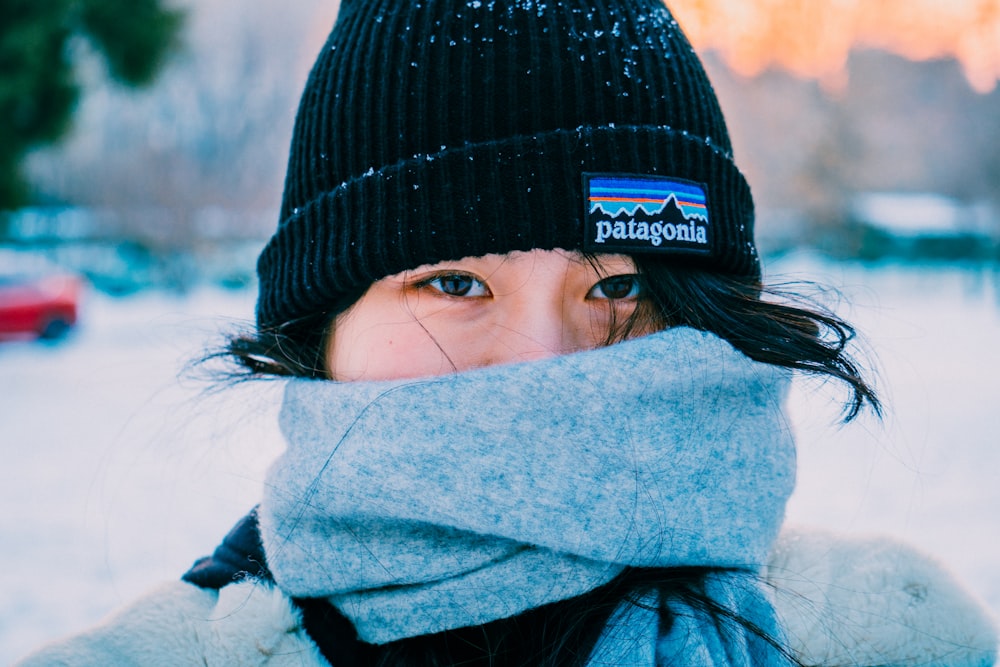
<point>417,506</point>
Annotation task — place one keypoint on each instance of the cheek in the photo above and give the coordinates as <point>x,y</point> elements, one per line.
<point>385,352</point>
<point>601,321</point>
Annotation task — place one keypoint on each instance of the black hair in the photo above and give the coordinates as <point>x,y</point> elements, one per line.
<point>768,324</point>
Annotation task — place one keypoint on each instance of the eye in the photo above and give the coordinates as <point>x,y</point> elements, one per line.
<point>456,284</point>
<point>626,286</point>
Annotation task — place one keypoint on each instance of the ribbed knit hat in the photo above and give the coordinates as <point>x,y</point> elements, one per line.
<point>439,129</point>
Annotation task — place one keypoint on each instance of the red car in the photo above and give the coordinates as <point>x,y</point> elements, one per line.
<point>39,303</point>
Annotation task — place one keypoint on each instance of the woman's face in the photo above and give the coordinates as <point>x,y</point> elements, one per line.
<point>480,311</point>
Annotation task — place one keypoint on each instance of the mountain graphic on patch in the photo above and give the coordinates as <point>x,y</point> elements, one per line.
<point>632,213</point>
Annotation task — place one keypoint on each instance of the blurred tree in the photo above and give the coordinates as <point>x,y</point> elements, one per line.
<point>38,86</point>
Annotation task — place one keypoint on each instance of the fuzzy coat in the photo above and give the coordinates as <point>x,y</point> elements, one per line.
<point>843,601</point>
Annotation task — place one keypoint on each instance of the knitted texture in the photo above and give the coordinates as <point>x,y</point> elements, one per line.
<point>440,129</point>
<point>417,506</point>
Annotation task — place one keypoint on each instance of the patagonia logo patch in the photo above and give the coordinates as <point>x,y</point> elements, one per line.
<point>630,213</point>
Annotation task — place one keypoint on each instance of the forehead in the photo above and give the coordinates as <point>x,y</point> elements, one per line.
<point>530,260</point>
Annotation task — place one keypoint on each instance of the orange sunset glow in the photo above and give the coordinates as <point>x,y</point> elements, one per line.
<point>812,38</point>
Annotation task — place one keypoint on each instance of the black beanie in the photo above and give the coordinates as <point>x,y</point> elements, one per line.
<point>432,130</point>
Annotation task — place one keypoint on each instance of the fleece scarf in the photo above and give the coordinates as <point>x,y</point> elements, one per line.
<point>418,506</point>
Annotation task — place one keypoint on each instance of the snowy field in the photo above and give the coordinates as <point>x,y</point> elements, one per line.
<point>119,473</point>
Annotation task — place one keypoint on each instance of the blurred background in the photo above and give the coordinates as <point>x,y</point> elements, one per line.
<point>142,153</point>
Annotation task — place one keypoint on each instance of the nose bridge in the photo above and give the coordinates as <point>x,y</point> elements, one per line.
<point>533,325</point>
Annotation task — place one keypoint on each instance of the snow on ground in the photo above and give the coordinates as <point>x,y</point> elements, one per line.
<point>119,474</point>
<point>930,472</point>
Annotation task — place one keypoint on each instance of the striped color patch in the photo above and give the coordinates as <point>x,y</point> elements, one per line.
<point>633,213</point>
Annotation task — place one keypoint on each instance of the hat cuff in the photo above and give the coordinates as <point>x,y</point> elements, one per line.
<point>519,193</point>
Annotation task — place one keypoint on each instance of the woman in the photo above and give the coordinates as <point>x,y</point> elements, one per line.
<point>514,237</point>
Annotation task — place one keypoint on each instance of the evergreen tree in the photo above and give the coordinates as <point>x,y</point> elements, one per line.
<point>38,86</point>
